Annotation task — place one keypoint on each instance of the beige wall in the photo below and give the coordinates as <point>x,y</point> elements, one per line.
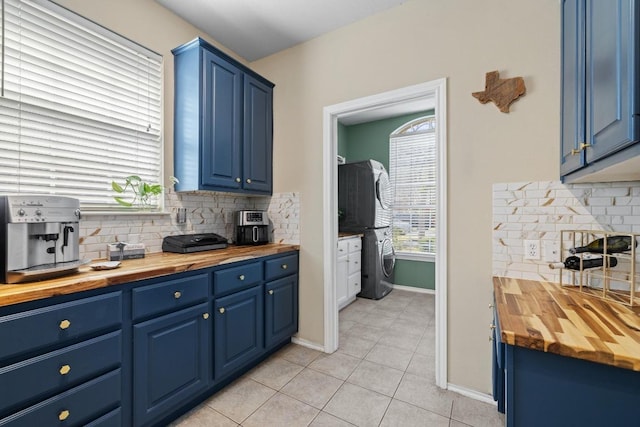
<point>419,41</point>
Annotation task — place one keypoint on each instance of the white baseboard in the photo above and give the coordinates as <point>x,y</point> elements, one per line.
<point>308,344</point>
<point>483,397</point>
<point>412,289</point>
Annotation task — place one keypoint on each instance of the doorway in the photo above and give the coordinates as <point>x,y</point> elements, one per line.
<point>412,98</point>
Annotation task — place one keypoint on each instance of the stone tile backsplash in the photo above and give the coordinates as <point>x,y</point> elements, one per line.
<point>541,210</point>
<point>207,212</point>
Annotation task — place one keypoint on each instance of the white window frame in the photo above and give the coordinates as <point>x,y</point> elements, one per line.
<point>81,106</point>
<point>406,134</point>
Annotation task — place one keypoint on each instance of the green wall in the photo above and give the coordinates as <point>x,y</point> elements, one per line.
<point>371,141</point>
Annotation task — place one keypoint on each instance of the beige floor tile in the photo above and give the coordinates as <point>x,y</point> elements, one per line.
<point>338,365</point>
<point>423,366</point>
<point>355,346</point>
<point>327,420</point>
<point>240,399</point>
<point>364,303</point>
<point>203,416</point>
<point>403,340</point>
<point>387,311</point>
<point>427,344</point>
<point>378,320</point>
<point>357,405</point>
<point>404,414</point>
<point>476,413</point>
<point>375,377</point>
<point>345,325</point>
<point>454,423</point>
<point>275,372</point>
<point>298,354</point>
<point>312,387</point>
<point>408,326</point>
<point>392,357</point>
<point>280,411</point>
<point>421,392</point>
<point>366,332</point>
<point>353,313</point>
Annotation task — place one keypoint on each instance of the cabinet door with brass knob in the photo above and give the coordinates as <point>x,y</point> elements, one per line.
<point>171,361</point>
<point>281,310</point>
<point>169,295</point>
<point>238,329</point>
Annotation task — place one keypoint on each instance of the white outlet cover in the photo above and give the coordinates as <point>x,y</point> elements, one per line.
<point>532,249</point>
<point>551,251</point>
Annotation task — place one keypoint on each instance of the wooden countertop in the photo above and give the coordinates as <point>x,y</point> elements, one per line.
<point>153,265</point>
<point>543,316</point>
<point>347,235</point>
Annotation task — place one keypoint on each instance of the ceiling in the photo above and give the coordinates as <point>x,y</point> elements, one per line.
<point>257,28</point>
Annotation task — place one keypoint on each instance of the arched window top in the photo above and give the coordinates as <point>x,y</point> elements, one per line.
<point>416,126</point>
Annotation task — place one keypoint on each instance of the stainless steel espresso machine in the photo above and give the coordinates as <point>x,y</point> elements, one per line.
<point>40,238</point>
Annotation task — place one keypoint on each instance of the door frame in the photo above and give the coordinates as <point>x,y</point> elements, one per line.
<point>435,93</point>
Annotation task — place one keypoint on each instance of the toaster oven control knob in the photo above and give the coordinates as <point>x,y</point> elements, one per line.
<point>21,212</point>
<point>78,214</point>
<point>38,212</point>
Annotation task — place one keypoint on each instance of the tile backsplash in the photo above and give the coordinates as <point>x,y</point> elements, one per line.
<point>207,212</point>
<point>540,210</point>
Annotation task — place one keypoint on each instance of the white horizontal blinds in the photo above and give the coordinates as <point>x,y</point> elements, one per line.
<point>413,171</point>
<point>82,106</point>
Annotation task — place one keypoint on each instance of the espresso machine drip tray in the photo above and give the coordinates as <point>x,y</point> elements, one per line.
<point>44,271</point>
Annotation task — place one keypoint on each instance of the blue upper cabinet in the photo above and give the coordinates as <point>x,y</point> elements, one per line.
<point>223,127</point>
<point>600,90</point>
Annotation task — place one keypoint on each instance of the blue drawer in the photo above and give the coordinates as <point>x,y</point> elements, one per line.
<point>170,295</point>
<point>235,278</point>
<point>280,267</point>
<point>42,376</point>
<point>56,324</point>
<point>74,407</point>
<point>112,419</point>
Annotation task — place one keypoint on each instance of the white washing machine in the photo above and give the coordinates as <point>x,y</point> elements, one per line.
<point>378,259</point>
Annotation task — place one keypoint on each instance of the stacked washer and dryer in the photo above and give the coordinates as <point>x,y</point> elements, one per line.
<point>365,199</point>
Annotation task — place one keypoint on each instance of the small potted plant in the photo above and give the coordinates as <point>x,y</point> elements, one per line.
<point>143,192</point>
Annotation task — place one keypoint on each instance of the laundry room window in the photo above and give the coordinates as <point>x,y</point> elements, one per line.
<point>81,106</point>
<point>413,175</point>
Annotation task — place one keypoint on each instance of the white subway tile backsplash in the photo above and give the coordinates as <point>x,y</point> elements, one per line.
<point>540,210</point>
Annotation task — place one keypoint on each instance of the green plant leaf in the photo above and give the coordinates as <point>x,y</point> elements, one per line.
<point>116,187</point>
<point>123,202</point>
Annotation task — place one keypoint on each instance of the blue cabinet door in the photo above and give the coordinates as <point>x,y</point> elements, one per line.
<point>281,310</point>
<point>171,361</point>
<point>258,135</point>
<point>611,76</point>
<point>221,123</point>
<point>239,330</point>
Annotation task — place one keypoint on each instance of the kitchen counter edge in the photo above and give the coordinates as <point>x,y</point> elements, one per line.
<point>153,265</point>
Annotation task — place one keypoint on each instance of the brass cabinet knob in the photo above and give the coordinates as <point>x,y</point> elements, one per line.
<point>492,326</point>
<point>490,306</point>
<point>241,277</point>
<point>284,266</point>
<point>205,316</point>
<point>64,415</point>
<point>248,180</point>
<point>238,179</point>
<point>65,324</point>
<point>270,291</point>
<point>177,294</point>
<point>583,146</point>
<point>65,369</point>
<point>221,310</point>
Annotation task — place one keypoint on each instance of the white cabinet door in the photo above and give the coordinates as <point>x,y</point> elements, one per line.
<point>342,273</point>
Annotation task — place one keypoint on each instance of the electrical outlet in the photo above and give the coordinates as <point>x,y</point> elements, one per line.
<point>551,251</point>
<point>532,249</point>
<point>182,216</point>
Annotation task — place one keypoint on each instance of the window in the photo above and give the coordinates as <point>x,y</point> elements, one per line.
<point>412,171</point>
<point>81,106</point>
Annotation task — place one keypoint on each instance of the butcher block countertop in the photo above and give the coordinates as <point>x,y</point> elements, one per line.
<point>543,316</point>
<point>153,265</point>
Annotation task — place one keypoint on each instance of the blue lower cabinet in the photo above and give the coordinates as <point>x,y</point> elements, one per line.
<point>75,407</point>
<point>171,360</point>
<point>281,310</point>
<point>545,389</point>
<point>239,331</point>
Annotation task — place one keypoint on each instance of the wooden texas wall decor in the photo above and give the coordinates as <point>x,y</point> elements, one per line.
<point>503,92</point>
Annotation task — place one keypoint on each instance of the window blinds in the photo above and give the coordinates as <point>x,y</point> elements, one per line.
<point>82,106</point>
<point>413,172</point>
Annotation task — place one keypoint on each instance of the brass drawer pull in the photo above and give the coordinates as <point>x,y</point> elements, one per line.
<point>283,266</point>
<point>248,180</point>
<point>205,316</point>
<point>65,369</point>
<point>64,415</point>
<point>177,294</point>
<point>221,310</point>
<point>270,291</point>
<point>65,324</point>
<point>241,277</point>
<point>238,179</point>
